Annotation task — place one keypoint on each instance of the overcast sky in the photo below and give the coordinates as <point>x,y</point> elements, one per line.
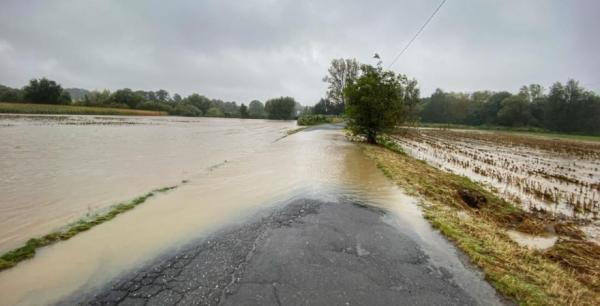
<point>257,49</point>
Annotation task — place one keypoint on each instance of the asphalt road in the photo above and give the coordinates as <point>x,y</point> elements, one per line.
<point>306,253</point>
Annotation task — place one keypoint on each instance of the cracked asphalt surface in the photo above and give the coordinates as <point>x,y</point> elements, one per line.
<point>306,253</point>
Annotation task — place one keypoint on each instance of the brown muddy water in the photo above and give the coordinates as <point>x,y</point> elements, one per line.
<point>56,169</point>
<point>260,173</point>
<point>561,177</point>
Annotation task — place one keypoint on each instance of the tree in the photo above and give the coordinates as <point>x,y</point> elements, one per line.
<point>256,109</point>
<point>185,110</point>
<point>571,108</point>
<point>230,109</point>
<point>280,108</point>
<point>8,94</point>
<point>214,112</point>
<point>65,98</point>
<point>514,111</point>
<point>341,73</point>
<point>200,102</point>
<point>244,111</point>
<point>492,107</point>
<point>326,107</point>
<point>322,107</point>
<point>127,97</point>
<point>531,92</point>
<point>411,99</point>
<point>97,98</point>
<point>162,95</point>
<point>177,98</point>
<point>45,91</point>
<point>374,102</point>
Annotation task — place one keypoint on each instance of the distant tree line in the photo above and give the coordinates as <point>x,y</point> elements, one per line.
<point>37,91</point>
<point>565,108</point>
<point>44,91</point>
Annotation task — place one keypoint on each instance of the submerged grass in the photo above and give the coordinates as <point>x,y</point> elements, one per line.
<point>566,274</point>
<point>25,108</point>
<point>12,258</point>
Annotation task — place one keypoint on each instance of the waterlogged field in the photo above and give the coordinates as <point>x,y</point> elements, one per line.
<point>58,169</point>
<point>559,178</point>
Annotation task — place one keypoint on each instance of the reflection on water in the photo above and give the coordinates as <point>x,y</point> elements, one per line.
<point>316,163</point>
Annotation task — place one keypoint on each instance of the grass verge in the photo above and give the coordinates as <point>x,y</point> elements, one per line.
<point>308,120</point>
<point>25,108</point>
<point>566,274</point>
<point>12,258</point>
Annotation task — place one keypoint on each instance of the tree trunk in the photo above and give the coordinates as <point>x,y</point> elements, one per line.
<point>372,137</point>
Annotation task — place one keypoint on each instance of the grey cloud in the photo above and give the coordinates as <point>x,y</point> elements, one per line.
<point>256,49</point>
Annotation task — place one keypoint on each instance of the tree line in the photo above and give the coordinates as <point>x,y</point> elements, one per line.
<point>564,108</point>
<point>44,91</point>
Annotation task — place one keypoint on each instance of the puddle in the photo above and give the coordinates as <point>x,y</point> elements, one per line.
<point>531,241</point>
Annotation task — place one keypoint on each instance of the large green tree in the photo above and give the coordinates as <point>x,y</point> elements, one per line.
<point>127,97</point>
<point>374,102</point>
<point>45,91</point>
<point>200,102</point>
<point>256,109</point>
<point>281,108</point>
<point>514,111</point>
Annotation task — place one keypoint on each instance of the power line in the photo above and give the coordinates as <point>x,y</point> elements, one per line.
<point>417,34</point>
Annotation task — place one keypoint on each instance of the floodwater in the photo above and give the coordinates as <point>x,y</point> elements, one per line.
<point>550,175</point>
<point>531,241</point>
<point>561,177</point>
<point>261,173</point>
<point>56,169</point>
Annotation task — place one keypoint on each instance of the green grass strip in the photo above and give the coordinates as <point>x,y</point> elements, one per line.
<point>12,258</point>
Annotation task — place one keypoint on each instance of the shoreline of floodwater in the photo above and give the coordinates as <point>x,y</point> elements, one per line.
<point>11,258</point>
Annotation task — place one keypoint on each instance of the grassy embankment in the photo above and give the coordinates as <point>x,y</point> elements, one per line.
<point>309,120</point>
<point>531,131</point>
<point>12,258</point>
<point>24,108</point>
<point>566,274</point>
<point>305,122</point>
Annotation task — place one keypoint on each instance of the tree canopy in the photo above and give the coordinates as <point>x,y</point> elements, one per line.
<point>256,109</point>
<point>46,92</point>
<point>281,108</point>
<point>566,108</point>
<point>374,101</point>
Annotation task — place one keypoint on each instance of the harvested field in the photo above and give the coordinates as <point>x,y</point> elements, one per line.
<point>557,177</point>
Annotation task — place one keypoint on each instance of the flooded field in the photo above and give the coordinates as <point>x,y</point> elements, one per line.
<point>57,169</point>
<point>315,163</point>
<point>559,177</point>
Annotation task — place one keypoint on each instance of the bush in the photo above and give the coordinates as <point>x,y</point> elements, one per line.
<point>314,120</point>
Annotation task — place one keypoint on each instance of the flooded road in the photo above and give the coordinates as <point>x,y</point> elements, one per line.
<point>260,174</point>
